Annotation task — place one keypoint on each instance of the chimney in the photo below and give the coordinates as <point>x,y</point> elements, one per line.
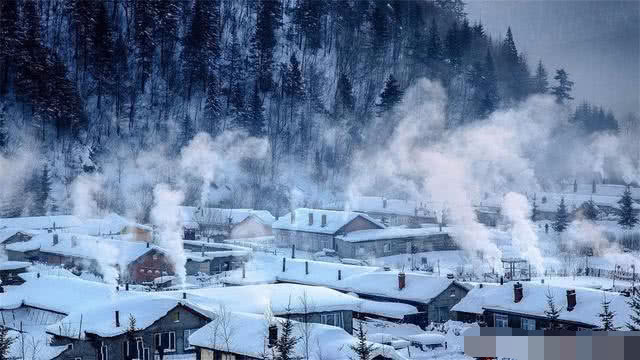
<point>310,219</point>
<point>324,220</point>
<point>517,292</point>
<point>593,187</point>
<point>284,264</point>
<point>74,241</point>
<point>147,244</point>
<point>571,299</point>
<point>293,251</point>
<point>306,268</point>
<point>202,250</point>
<point>384,203</point>
<point>273,335</point>
<point>293,216</point>
<point>575,186</point>
<point>339,274</point>
<point>184,295</point>
<point>450,276</point>
<point>480,286</point>
<point>55,239</point>
<point>501,280</point>
<point>244,272</point>
<point>401,281</point>
<point>126,286</point>
<point>117,318</point>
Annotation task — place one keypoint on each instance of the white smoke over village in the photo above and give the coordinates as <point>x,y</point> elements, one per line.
<point>167,215</point>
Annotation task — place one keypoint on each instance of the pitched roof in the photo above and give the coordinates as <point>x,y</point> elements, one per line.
<point>40,222</point>
<point>335,220</point>
<point>534,302</point>
<point>109,225</point>
<point>327,342</point>
<point>14,265</point>
<point>192,215</point>
<point>100,319</point>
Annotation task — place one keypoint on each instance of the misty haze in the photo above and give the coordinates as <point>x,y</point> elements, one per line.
<point>307,179</point>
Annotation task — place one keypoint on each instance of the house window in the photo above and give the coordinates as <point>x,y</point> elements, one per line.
<point>165,340</point>
<point>155,257</point>
<point>227,356</point>
<point>175,316</point>
<point>187,333</point>
<point>501,320</point>
<point>527,324</point>
<point>334,319</point>
<point>361,250</point>
<point>387,247</point>
<point>70,347</point>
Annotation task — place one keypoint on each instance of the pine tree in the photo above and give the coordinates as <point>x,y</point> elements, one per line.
<point>294,84</point>
<point>380,28</point>
<point>454,45</point>
<point>606,315</point>
<point>9,41</point>
<point>286,344</point>
<point>627,217</point>
<point>144,22</point>
<point>102,48</point>
<point>562,91</point>
<point>186,131</point>
<point>4,134</point>
<point>264,41</point>
<point>213,107</point>
<point>634,317</point>
<point>234,72</point>
<point>562,217</point>
<point>201,45</point>
<point>82,24</point>
<point>540,81</point>
<point>509,51</point>
<point>590,210</point>
<point>5,342</point>
<point>434,45</point>
<point>552,312</point>
<point>390,96</point>
<point>362,348</point>
<point>345,101</point>
<point>253,122</point>
<point>308,18</point>
<point>490,99</point>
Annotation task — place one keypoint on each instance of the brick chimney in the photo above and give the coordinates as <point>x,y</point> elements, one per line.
<point>517,292</point>
<point>571,299</point>
<point>273,335</point>
<point>310,219</point>
<point>324,220</point>
<point>55,239</point>
<point>402,282</point>
<point>117,318</point>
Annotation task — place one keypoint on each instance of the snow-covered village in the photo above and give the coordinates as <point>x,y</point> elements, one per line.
<point>319,179</point>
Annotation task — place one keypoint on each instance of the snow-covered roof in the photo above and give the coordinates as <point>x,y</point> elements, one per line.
<point>574,200</point>
<point>40,222</point>
<point>391,233</point>
<point>377,204</point>
<point>100,319</point>
<point>6,233</point>
<point>281,298</point>
<point>534,302</point>
<point>320,273</point>
<point>327,342</point>
<point>58,294</point>
<point>392,310</point>
<point>110,224</point>
<point>208,255</point>
<point>191,216</point>
<point>14,265</point>
<point>602,189</point>
<point>335,220</point>
<point>86,246</point>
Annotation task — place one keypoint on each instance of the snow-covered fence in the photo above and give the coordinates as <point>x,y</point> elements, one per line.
<point>608,273</point>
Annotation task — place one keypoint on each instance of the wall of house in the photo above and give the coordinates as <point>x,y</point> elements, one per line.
<point>250,227</point>
<point>316,318</point>
<point>208,354</point>
<point>195,267</point>
<point>88,349</point>
<point>514,321</point>
<point>149,266</point>
<point>439,309</point>
<point>376,248</point>
<point>20,256</point>
<point>306,241</point>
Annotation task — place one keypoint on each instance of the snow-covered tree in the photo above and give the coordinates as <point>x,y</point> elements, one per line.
<point>606,315</point>
<point>634,317</point>
<point>552,312</point>
<point>590,210</point>
<point>390,96</point>
<point>562,91</point>
<point>362,348</point>
<point>286,344</point>
<point>562,217</point>
<point>5,342</point>
<point>627,217</point>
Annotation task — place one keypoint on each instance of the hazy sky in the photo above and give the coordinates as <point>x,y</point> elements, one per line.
<point>597,42</point>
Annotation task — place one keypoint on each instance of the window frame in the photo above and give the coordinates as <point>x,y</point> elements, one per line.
<point>503,318</point>
<point>185,341</point>
<point>104,351</point>
<point>386,247</point>
<point>325,317</point>
<point>524,320</point>
<point>157,340</point>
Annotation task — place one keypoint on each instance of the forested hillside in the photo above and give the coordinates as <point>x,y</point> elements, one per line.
<point>103,96</point>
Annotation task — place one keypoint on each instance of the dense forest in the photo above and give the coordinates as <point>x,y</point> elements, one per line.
<point>106,96</point>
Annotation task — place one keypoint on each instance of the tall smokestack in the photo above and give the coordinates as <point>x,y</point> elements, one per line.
<point>306,268</point>
<point>310,219</point>
<point>517,292</point>
<point>117,318</point>
<point>571,299</point>
<point>324,220</point>
<point>401,281</point>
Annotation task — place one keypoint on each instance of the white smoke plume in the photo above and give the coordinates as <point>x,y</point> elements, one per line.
<point>166,214</point>
<point>83,194</point>
<point>523,234</point>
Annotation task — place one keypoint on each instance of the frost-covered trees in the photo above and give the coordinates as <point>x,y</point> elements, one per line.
<point>362,348</point>
<point>634,317</point>
<point>627,217</point>
<point>552,312</point>
<point>562,91</point>
<point>390,96</point>
<point>562,217</point>
<point>590,211</point>
<point>286,343</point>
<point>540,80</point>
<point>5,342</point>
<point>606,315</point>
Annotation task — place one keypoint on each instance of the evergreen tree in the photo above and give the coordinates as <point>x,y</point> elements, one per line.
<point>102,48</point>
<point>5,342</point>
<point>4,134</point>
<point>390,96</point>
<point>454,45</point>
<point>9,41</point>
<point>634,317</point>
<point>201,46</point>
<point>253,122</point>
<point>168,12</point>
<point>434,45</point>
<point>345,101</point>
<point>562,91</point>
<point>540,81</point>
<point>491,98</point>
<point>308,18</point>
<point>552,312</point>
<point>82,24</point>
<point>186,131</point>
<point>264,41</point>
<point>213,107</point>
<point>590,211</point>
<point>627,217</point>
<point>145,46</point>
<point>562,217</point>
<point>362,348</point>
<point>234,73</point>
<point>606,315</point>
<point>286,344</point>
<point>509,51</point>
<point>380,28</point>
<point>294,83</point>
<point>534,209</point>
